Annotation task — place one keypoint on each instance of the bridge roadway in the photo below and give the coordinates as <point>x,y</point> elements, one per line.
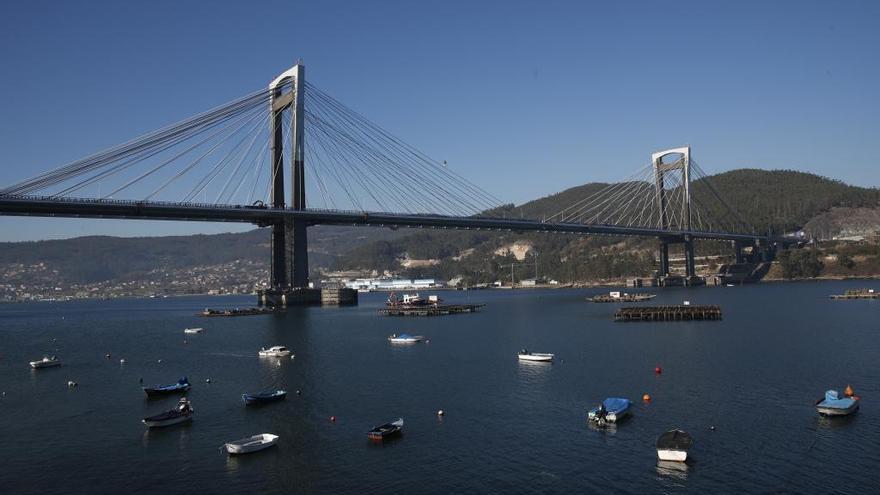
<point>264,216</point>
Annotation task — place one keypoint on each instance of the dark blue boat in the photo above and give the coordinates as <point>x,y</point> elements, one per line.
<point>263,397</point>
<point>182,385</point>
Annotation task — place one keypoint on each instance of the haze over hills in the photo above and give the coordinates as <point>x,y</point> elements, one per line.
<point>781,201</point>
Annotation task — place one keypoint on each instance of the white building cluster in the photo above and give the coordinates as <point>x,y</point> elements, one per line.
<point>393,283</point>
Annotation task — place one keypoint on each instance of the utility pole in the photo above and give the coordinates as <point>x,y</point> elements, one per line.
<point>536,267</point>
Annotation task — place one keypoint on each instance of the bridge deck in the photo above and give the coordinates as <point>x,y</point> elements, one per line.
<point>263,216</point>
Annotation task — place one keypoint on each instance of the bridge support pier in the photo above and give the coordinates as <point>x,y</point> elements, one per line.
<point>689,263</point>
<point>664,258</point>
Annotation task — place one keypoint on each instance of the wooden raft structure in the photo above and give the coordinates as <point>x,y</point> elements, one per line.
<point>210,313</point>
<point>858,294</point>
<point>668,313</point>
<point>435,310</point>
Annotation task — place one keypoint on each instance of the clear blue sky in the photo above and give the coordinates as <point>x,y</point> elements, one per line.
<point>523,98</point>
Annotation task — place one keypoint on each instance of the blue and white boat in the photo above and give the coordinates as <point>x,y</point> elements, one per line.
<point>263,397</point>
<point>834,405</point>
<point>612,410</point>
<point>182,385</point>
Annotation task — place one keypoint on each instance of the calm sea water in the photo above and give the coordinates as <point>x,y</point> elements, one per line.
<point>510,427</point>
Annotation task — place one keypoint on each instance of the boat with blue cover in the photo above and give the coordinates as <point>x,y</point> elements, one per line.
<point>612,410</point>
<point>834,405</point>
<point>182,385</point>
<point>263,397</point>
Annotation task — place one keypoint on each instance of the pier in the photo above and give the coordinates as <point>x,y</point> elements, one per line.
<point>668,313</point>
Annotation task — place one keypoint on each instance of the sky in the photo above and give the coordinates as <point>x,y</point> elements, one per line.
<point>523,98</point>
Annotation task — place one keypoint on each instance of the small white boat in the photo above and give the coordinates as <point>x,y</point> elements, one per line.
<point>673,445</point>
<point>405,338</point>
<point>525,355</point>
<point>193,330</point>
<point>46,362</point>
<point>275,351</point>
<point>251,444</point>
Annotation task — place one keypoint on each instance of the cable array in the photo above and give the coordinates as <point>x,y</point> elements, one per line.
<point>222,157</point>
<point>636,202</point>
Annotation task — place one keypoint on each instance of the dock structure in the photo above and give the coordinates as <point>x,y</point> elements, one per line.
<point>236,312</point>
<point>668,313</point>
<point>430,310</point>
<point>858,294</point>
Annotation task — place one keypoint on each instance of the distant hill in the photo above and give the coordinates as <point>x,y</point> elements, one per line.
<point>779,201</point>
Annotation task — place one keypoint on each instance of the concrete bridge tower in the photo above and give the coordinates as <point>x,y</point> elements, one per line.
<point>682,167</point>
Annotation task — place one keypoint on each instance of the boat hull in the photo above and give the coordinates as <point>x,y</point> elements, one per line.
<point>251,400</point>
<point>252,444</point>
<point>161,423</point>
<point>44,364</point>
<point>536,357</point>
<point>838,411</point>
<point>672,455</point>
<point>162,392</point>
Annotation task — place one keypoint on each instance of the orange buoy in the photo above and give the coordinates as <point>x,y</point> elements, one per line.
<point>848,391</point>
<point>646,398</point>
<point>658,370</point>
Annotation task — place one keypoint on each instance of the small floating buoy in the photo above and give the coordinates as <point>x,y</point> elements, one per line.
<point>658,370</point>
<point>440,412</point>
<point>159,361</point>
<point>712,428</point>
<point>848,391</point>
<point>184,341</point>
<point>207,380</point>
<point>646,398</point>
<point>292,356</point>
<point>122,361</point>
<point>3,394</point>
<point>298,392</point>
<point>332,419</point>
<point>71,384</point>
<point>427,341</point>
<point>107,355</point>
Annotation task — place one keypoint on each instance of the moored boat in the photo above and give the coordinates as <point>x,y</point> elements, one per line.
<point>46,362</point>
<point>411,301</point>
<point>834,405</point>
<point>405,338</point>
<point>673,445</point>
<point>182,385</point>
<point>251,444</point>
<point>193,330</point>
<point>612,410</point>
<point>387,430</point>
<point>264,397</point>
<point>525,355</point>
<point>180,414</point>
<point>274,351</point>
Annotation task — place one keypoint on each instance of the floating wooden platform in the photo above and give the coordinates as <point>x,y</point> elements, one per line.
<point>439,310</point>
<point>668,313</point>
<point>624,298</point>
<point>236,312</point>
<point>858,294</point>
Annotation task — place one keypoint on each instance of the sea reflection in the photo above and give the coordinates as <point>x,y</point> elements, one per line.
<point>673,470</point>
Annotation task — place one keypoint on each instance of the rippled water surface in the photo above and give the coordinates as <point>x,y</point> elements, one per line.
<point>510,427</point>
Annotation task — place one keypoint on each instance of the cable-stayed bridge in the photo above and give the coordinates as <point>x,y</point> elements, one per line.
<point>230,164</point>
